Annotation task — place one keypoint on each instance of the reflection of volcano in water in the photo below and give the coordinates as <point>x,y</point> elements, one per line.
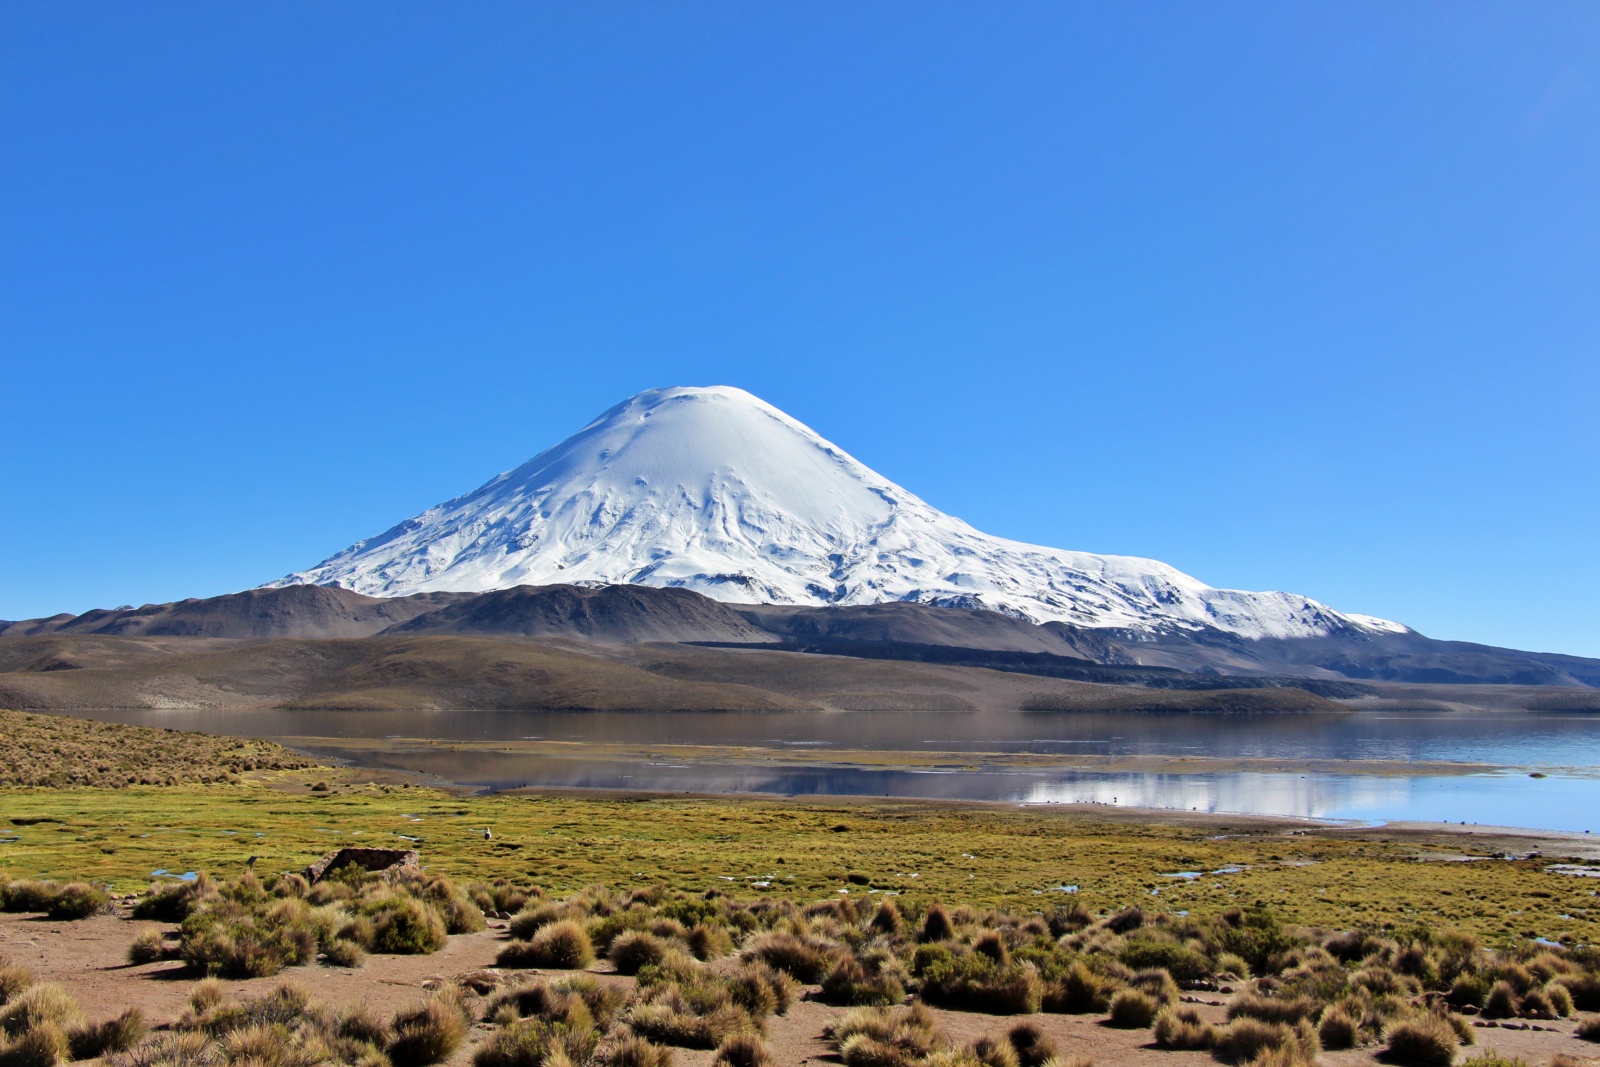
<point>1553,803</point>
<point>1302,796</point>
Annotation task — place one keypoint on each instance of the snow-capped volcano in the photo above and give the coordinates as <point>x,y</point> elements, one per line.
<point>715,490</point>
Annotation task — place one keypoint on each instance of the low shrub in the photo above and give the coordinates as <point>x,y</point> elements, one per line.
<point>1423,1041</point>
<point>1182,1028</point>
<point>852,983</point>
<point>77,900</point>
<point>1182,962</point>
<point>170,902</point>
<point>1079,991</point>
<point>972,981</point>
<point>27,896</point>
<point>405,926</point>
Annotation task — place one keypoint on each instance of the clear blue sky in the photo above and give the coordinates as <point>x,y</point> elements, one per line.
<point>1291,296</point>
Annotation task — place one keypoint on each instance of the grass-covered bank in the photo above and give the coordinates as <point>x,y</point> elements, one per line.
<point>803,850</point>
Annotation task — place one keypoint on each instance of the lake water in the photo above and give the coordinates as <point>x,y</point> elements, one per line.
<point>1565,749</point>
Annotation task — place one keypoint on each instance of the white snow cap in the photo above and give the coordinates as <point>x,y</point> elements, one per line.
<point>715,490</point>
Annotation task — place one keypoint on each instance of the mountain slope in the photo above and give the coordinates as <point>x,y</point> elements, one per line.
<point>713,490</point>
<point>296,611</point>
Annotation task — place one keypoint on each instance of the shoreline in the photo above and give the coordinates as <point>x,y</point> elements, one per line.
<point>1587,845</point>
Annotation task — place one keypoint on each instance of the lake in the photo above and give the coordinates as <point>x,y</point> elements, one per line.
<point>1493,787</point>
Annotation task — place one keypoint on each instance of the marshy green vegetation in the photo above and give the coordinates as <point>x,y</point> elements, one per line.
<point>720,910</point>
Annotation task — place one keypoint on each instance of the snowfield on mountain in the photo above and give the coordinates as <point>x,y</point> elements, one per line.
<point>714,490</point>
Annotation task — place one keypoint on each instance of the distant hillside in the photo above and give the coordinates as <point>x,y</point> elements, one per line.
<point>1334,665</point>
<point>69,672</point>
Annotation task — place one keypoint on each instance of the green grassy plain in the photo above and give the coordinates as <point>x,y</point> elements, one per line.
<point>800,849</point>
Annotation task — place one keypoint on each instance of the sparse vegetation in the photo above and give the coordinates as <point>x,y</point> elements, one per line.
<point>53,751</point>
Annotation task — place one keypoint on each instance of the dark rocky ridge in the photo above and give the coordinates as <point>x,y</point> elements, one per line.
<point>631,614</point>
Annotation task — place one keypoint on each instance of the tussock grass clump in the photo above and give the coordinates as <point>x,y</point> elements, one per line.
<point>112,1035</point>
<point>429,1033</point>
<point>14,978</point>
<point>526,923</point>
<point>709,941</point>
<point>1584,990</point>
<point>344,952</point>
<point>1338,1029</point>
<point>1032,1047</point>
<point>887,919</point>
<point>631,1050</point>
<point>175,1048</point>
<point>44,1004</point>
<point>561,945</point>
<point>1273,1009</point>
<point>761,989</point>
<point>806,959</point>
<point>636,949</point>
<point>1588,1030</point>
<point>536,1042</point>
<point>994,1052</point>
<point>742,1050</point>
<point>1246,1039</point>
<point>1132,1009</point>
<point>42,1046</point>
<point>1423,1041</point>
<point>936,925</point>
<point>147,946</point>
<point>852,982</point>
<point>1182,1028</point>
<point>880,1037</point>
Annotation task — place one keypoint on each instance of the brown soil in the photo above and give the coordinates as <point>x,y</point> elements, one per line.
<point>88,958</point>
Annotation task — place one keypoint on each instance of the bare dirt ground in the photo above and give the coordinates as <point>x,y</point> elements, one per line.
<point>88,958</point>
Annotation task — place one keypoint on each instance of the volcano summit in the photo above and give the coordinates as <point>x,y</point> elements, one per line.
<point>714,490</point>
